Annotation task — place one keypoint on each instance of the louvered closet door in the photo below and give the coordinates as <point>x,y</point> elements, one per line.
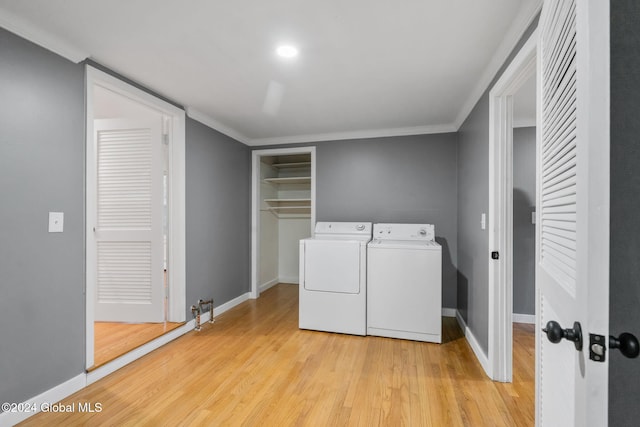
<point>128,230</point>
<point>572,199</point>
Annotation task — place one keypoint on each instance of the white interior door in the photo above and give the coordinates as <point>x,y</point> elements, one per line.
<point>128,229</point>
<point>572,240</point>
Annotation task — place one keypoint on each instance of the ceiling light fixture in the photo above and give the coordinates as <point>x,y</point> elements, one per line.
<point>287,51</point>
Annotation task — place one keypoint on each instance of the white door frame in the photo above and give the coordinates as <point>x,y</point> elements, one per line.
<point>500,222</point>
<point>256,155</point>
<point>176,233</point>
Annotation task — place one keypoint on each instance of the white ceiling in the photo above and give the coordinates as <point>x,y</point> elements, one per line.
<point>366,67</point>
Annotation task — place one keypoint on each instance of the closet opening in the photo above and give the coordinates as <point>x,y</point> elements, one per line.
<point>283,213</point>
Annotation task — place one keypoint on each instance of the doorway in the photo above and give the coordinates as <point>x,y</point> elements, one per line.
<point>501,209</point>
<point>135,249</point>
<point>524,196</point>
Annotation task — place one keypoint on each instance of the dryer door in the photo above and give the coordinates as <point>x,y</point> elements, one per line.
<point>332,266</point>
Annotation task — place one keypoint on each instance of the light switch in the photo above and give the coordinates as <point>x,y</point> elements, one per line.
<point>56,222</point>
<point>483,221</point>
<point>533,217</point>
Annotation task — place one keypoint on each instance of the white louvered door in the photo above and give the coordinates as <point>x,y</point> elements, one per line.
<point>128,221</point>
<point>572,197</point>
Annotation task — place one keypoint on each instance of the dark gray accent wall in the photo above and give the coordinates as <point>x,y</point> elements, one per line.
<point>473,195</point>
<point>408,179</point>
<point>42,303</point>
<point>218,216</point>
<point>624,291</point>
<point>524,232</point>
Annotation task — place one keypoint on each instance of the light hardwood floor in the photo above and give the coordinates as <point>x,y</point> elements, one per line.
<point>253,366</point>
<point>112,340</point>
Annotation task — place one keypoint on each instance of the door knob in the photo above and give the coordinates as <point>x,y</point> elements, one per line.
<point>555,333</point>
<point>627,344</point>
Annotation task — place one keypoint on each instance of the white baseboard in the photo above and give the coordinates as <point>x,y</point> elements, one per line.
<point>49,397</point>
<point>79,382</point>
<point>227,305</point>
<point>269,284</point>
<point>449,312</point>
<point>524,318</point>
<point>473,343</point>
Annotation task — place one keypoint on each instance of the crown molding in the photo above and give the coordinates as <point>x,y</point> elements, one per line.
<point>525,17</point>
<point>216,125</point>
<point>527,13</point>
<point>28,31</point>
<point>525,122</point>
<point>359,134</point>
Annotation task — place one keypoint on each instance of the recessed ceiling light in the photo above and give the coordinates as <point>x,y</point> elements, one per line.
<point>287,51</point>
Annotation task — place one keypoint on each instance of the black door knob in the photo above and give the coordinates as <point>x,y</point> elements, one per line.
<point>627,344</point>
<point>555,333</point>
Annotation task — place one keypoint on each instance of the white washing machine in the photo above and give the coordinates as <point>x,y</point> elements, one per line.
<point>404,283</point>
<point>333,278</point>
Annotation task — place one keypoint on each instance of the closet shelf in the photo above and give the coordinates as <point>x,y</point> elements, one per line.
<point>282,208</point>
<point>289,180</point>
<point>301,201</point>
<point>291,165</point>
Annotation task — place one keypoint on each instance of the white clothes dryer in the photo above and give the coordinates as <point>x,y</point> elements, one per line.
<point>404,283</point>
<point>333,278</point>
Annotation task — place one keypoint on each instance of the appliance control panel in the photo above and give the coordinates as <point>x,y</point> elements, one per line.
<point>348,228</point>
<point>404,231</point>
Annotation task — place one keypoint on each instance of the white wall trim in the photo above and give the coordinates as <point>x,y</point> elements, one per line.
<point>473,343</point>
<point>500,227</point>
<point>358,134</point>
<point>27,30</point>
<point>271,283</point>
<point>229,305</point>
<point>524,318</point>
<point>520,24</point>
<point>255,203</point>
<point>449,312</point>
<point>330,136</point>
<point>524,123</point>
<point>36,403</point>
<point>292,280</point>
<point>216,125</point>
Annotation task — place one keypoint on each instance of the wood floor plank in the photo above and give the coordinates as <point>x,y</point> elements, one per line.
<point>254,367</point>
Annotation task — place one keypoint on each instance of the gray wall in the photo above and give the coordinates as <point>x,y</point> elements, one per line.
<point>42,301</point>
<point>624,297</point>
<point>473,194</point>
<point>524,232</point>
<point>218,215</point>
<point>409,179</point>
